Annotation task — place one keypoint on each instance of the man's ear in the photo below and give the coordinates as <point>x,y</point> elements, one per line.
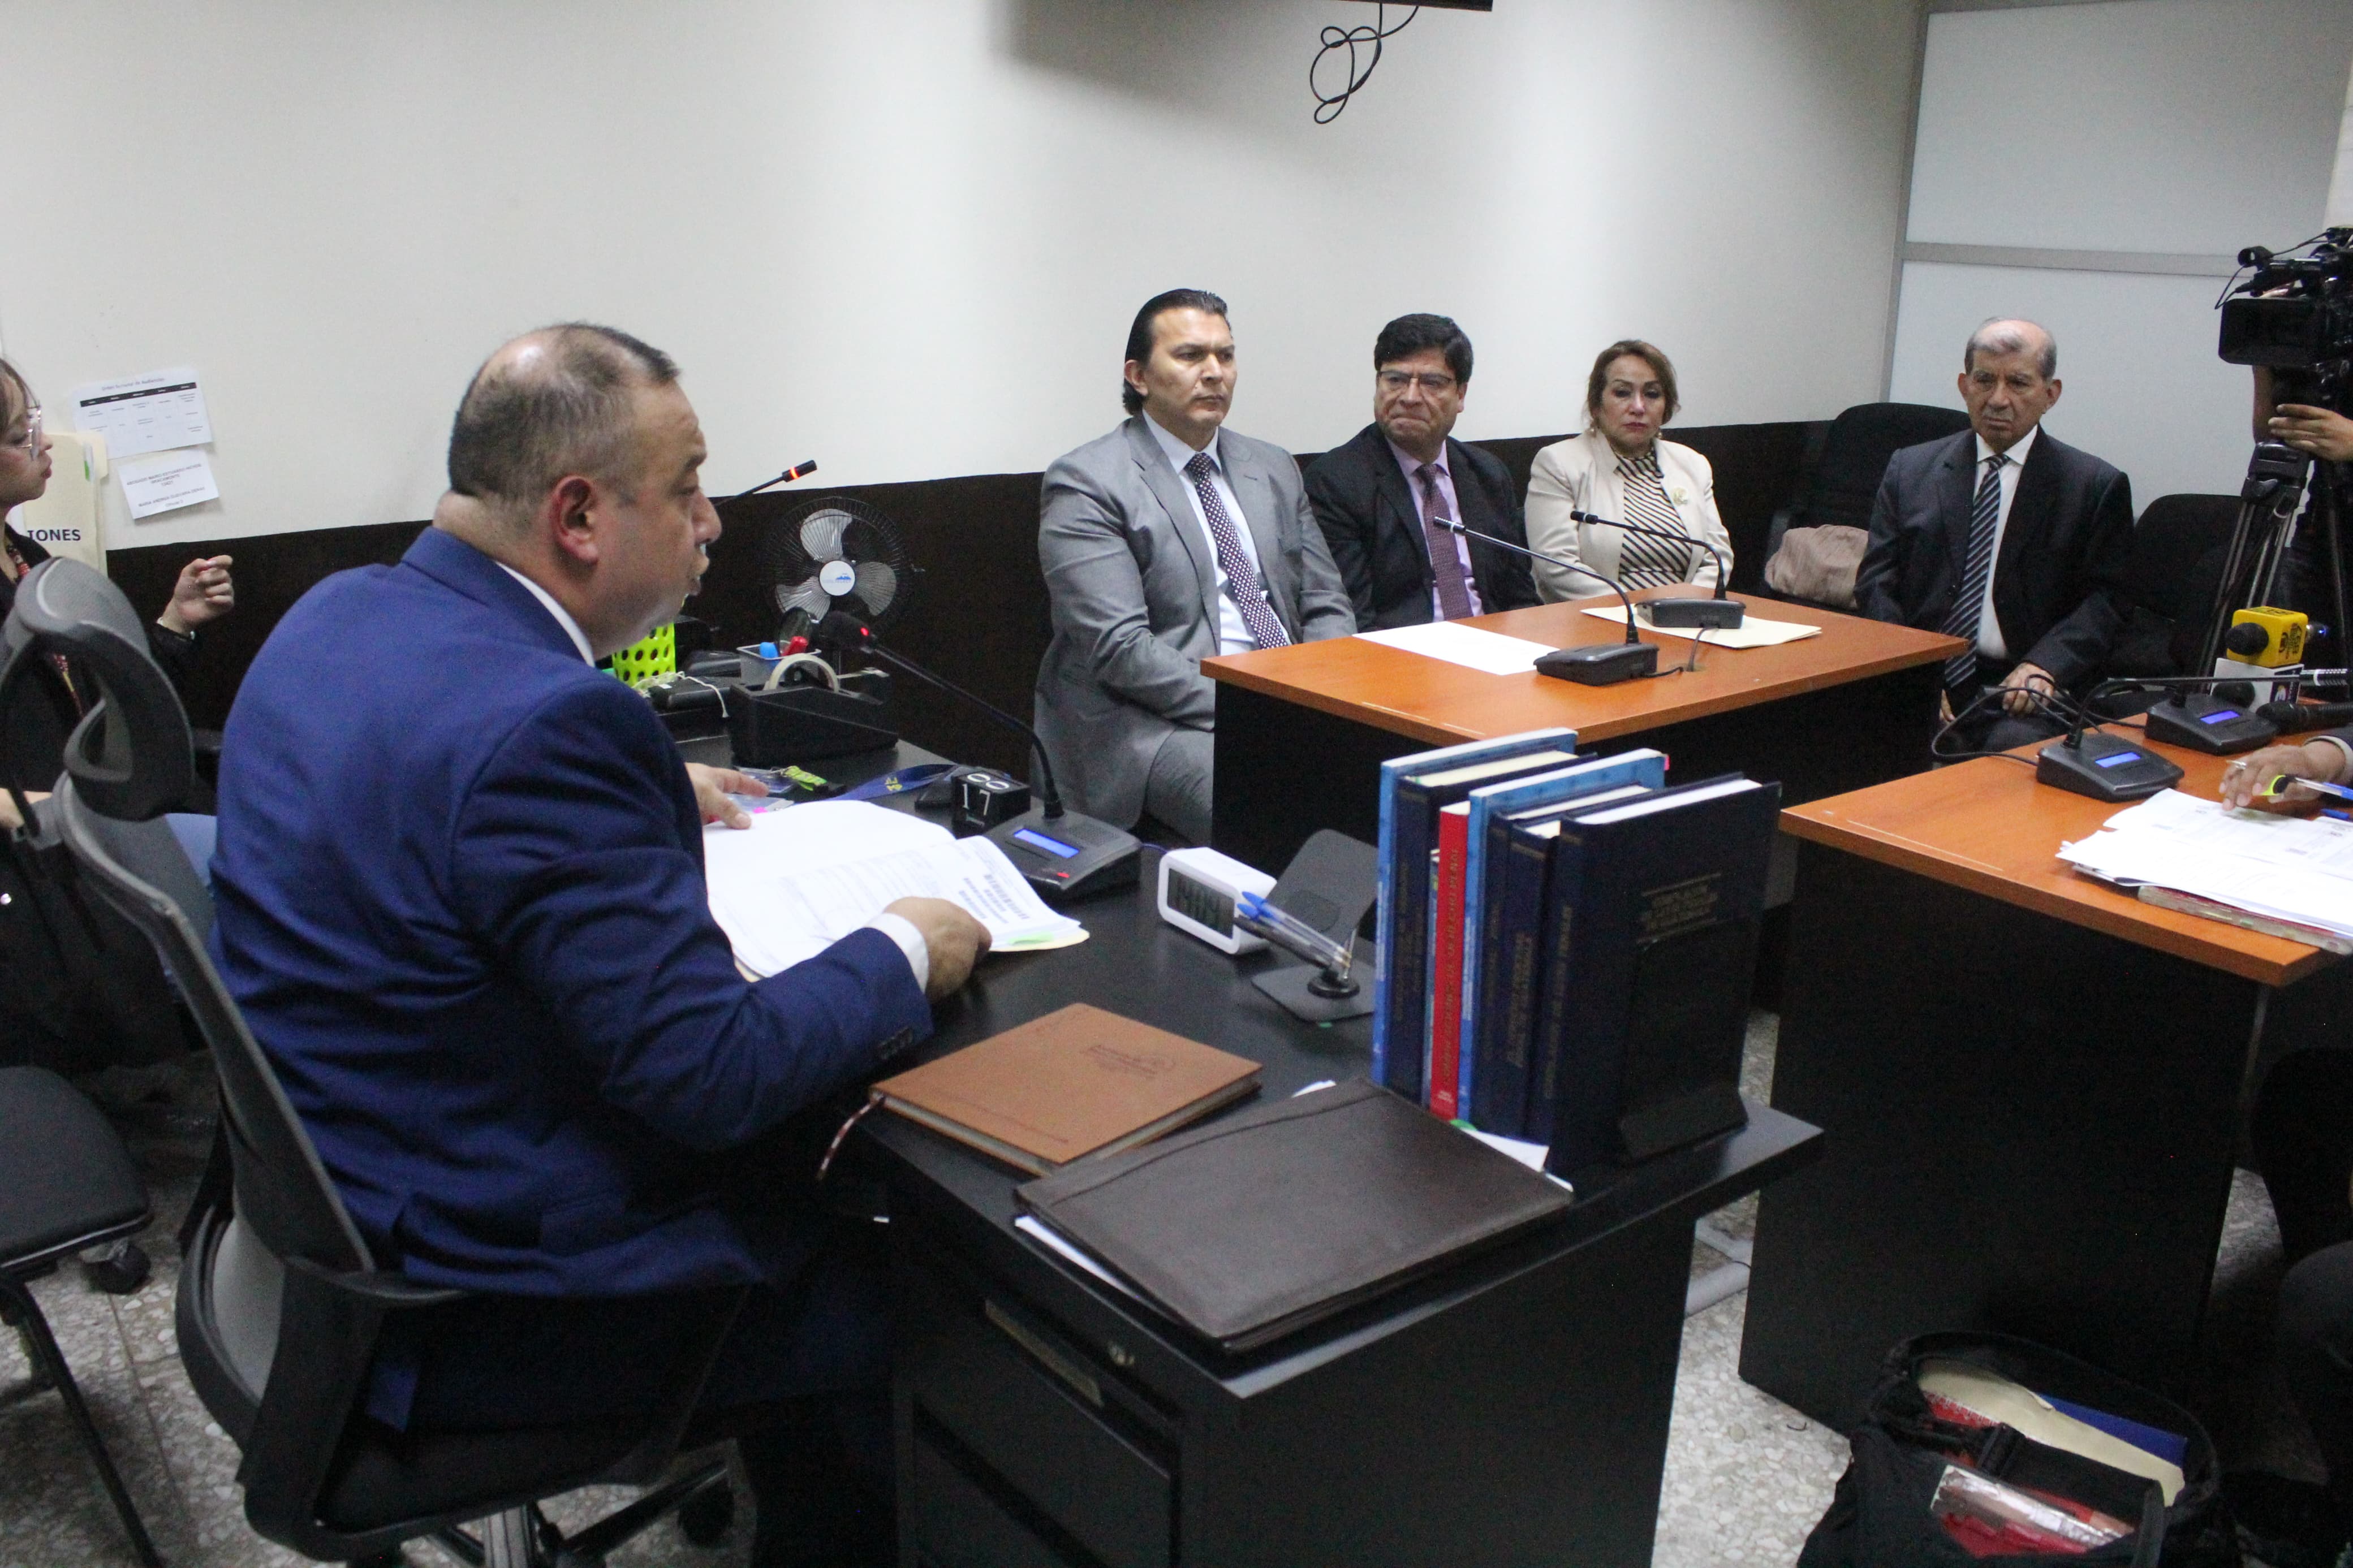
<point>570,515</point>
<point>1133,374</point>
<point>2055,392</point>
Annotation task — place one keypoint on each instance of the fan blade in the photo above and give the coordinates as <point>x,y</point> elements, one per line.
<point>803,596</point>
<point>878,585</point>
<point>821,534</point>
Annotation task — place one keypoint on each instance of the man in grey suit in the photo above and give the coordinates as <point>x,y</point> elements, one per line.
<point>1165,543</point>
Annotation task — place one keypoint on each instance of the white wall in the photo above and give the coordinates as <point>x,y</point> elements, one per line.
<point>905,236</point>
<point>2152,133</point>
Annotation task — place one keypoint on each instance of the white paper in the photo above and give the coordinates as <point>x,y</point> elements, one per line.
<point>1467,646</point>
<point>1032,1227</point>
<point>798,881</point>
<point>153,413</point>
<point>176,479</point>
<point>1751,632</point>
<point>2291,868</point>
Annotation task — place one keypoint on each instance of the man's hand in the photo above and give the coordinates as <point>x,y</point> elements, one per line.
<point>954,939</point>
<point>2325,435</point>
<point>713,785</point>
<point>2312,759</point>
<point>2022,681</point>
<point>204,593</point>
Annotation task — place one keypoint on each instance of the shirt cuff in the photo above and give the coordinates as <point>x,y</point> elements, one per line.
<point>902,930</point>
<point>2343,753</point>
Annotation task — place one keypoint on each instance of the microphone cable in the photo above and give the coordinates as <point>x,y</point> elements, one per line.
<point>1336,38</point>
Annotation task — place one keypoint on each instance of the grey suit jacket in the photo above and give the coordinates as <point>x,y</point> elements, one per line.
<point>1132,588</point>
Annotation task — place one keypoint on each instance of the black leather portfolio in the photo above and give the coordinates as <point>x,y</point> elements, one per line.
<point>1270,1218</point>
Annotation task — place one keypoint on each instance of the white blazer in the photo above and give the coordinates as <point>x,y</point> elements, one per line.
<point>1582,473</point>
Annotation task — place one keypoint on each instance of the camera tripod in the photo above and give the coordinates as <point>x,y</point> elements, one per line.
<point>2277,478</point>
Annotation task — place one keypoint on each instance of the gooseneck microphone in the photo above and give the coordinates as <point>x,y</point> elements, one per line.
<point>2300,718</point>
<point>1587,664</point>
<point>1063,854</point>
<point>799,470</point>
<point>1719,611</point>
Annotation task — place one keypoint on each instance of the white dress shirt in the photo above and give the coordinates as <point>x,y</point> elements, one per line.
<point>1412,466</point>
<point>1233,633</point>
<point>898,928</point>
<point>1989,643</point>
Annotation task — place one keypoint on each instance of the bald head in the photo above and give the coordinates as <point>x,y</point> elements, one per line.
<point>558,400</point>
<point>2001,335</point>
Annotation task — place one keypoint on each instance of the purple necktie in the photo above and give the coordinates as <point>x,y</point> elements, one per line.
<point>1241,577</point>
<point>1445,564</point>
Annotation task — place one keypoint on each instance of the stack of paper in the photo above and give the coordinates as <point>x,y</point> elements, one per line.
<point>797,881</point>
<point>2294,869</point>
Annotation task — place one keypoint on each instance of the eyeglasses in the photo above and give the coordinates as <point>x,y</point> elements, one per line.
<point>32,438</point>
<point>1430,380</point>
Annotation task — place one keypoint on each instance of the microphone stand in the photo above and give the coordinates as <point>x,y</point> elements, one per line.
<point>1719,611</point>
<point>1062,853</point>
<point>1587,664</point>
<point>800,470</point>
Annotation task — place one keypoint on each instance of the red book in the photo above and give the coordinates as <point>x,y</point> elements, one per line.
<point>1446,964</point>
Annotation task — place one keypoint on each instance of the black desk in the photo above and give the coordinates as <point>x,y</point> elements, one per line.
<point>1509,1412</point>
<point>1512,1411</point>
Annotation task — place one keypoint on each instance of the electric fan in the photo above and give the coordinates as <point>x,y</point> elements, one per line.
<point>831,555</point>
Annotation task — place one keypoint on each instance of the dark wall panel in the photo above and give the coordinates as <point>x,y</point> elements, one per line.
<point>978,617</point>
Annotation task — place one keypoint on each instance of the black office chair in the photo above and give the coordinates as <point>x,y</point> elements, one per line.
<point>1843,476</point>
<point>280,1305</point>
<point>2168,584</point>
<point>65,1183</point>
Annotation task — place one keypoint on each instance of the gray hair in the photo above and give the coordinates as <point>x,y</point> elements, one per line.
<point>522,427</point>
<point>2010,335</point>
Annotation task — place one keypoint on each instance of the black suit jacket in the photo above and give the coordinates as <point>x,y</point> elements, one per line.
<point>1373,529</point>
<point>2063,549</point>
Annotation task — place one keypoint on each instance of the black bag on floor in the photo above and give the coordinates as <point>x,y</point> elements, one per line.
<point>1880,1517</point>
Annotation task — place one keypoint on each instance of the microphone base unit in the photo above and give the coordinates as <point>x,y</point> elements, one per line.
<point>2105,767</point>
<point>1071,856</point>
<point>2204,722</point>
<point>1720,613</point>
<point>1600,663</point>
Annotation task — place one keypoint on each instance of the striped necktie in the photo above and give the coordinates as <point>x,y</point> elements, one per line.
<point>1241,577</point>
<point>1961,670</point>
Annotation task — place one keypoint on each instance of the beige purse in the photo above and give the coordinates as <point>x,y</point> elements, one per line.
<point>1819,564</point>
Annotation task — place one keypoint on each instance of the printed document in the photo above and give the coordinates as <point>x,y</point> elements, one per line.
<point>2291,868</point>
<point>1467,646</point>
<point>797,881</point>
<point>1750,633</point>
<point>140,413</point>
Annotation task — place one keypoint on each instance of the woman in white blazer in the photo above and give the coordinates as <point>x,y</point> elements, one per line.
<point>1620,470</point>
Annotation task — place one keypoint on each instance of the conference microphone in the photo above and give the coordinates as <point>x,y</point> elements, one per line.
<point>1587,664</point>
<point>2299,718</point>
<point>1719,611</point>
<point>799,470</point>
<point>1063,854</point>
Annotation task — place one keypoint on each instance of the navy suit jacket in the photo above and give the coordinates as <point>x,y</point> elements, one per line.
<point>460,902</point>
<point>1373,525</point>
<point>2063,550</point>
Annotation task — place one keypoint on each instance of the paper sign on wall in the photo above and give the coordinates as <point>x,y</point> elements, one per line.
<point>153,485</point>
<point>152,412</point>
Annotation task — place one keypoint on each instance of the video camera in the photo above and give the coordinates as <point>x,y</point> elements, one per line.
<point>2295,317</point>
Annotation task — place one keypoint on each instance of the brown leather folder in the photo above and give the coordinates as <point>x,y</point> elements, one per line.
<point>1078,1081</point>
<point>1278,1215</point>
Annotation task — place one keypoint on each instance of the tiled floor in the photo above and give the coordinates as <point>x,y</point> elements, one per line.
<point>1746,1477</point>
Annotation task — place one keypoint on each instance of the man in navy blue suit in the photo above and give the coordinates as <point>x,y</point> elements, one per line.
<point>461,895</point>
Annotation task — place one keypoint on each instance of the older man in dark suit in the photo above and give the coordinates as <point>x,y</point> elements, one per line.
<point>1385,498</point>
<point>461,903</point>
<point>2005,537</point>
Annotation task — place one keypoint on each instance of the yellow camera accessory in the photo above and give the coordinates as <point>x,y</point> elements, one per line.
<point>2283,632</point>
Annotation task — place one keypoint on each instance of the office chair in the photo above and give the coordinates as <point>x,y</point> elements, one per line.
<point>1843,476</point>
<point>2169,579</point>
<point>281,1304</point>
<point>65,1183</point>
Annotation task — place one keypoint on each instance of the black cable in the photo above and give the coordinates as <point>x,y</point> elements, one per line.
<point>1336,38</point>
<point>2050,705</point>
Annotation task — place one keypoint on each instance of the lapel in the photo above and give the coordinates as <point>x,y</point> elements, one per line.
<point>1169,491</point>
<point>1253,489</point>
<point>1956,493</point>
<point>1389,485</point>
<point>2030,510</point>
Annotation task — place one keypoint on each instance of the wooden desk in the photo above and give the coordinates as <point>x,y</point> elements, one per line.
<point>2030,1084</point>
<point>1511,1410</point>
<point>1301,730</point>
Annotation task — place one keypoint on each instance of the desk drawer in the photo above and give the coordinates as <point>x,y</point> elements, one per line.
<point>1032,1408</point>
<point>957,1524</point>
